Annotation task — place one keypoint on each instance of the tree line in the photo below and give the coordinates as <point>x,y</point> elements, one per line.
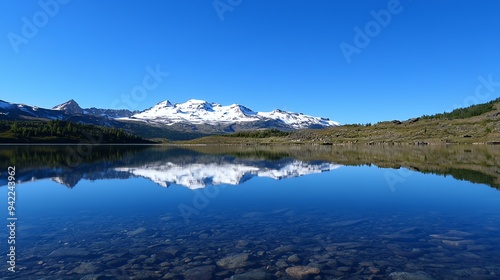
<point>266,133</point>
<point>468,112</point>
<point>63,131</point>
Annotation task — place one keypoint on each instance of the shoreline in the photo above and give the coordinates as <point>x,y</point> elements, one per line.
<point>418,143</point>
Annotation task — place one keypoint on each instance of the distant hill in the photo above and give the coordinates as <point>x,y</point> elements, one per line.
<point>474,124</point>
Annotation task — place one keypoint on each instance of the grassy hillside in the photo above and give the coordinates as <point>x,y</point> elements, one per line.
<point>474,124</point>
<point>468,112</point>
<point>62,132</point>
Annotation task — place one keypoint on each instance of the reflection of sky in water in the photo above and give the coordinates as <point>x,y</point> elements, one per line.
<point>355,188</point>
<point>316,208</point>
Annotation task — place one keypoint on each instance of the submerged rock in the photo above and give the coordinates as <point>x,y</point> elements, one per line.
<point>256,274</point>
<point>396,249</point>
<point>172,251</point>
<point>199,273</point>
<point>374,270</point>
<point>410,276</point>
<point>242,243</point>
<point>281,264</point>
<point>136,232</point>
<point>96,277</point>
<point>302,272</point>
<point>85,268</point>
<point>458,243</point>
<point>294,258</point>
<point>347,223</point>
<point>234,261</point>
<point>284,249</point>
<point>69,252</point>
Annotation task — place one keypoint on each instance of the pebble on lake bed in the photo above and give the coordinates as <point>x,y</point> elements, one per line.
<point>234,261</point>
<point>302,272</point>
<point>410,276</point>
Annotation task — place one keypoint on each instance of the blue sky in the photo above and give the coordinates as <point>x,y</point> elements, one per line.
<point>426,58</point>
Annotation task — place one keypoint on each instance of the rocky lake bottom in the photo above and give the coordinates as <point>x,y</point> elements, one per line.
<point>277,244</point>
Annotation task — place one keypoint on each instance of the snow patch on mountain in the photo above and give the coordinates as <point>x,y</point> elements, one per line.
<point>196,112</point>
<point>202,112</point>
<point>298,120</point>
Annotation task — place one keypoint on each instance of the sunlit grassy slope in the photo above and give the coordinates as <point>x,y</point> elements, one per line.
<point>474,124</point>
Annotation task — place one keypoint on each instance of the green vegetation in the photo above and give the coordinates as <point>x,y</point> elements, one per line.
<point>265,133</point>
<point>468,112</point>
<point>37,156</point>
<point>474,124</point>
<point>160,133</point>
<point>260,155</point>
<point>57,131</point>
<point>470,175</point>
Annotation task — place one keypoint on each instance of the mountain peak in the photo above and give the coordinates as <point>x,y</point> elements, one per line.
<point>195,105</point>
<point>165,103</point>
<point>69,107</point>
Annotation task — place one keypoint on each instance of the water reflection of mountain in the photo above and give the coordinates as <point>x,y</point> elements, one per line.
<point>169,166</point>
<point>197,175</point>
<point>201,166</point>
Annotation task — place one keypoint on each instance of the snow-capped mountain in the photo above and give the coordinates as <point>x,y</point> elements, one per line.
<point>193,118</point>
<point>199,112</point>
<point>196,113</point>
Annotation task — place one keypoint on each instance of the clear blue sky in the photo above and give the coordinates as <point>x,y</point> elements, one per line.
<point>263,54</point>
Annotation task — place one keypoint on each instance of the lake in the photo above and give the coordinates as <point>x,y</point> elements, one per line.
<point>251,212</point>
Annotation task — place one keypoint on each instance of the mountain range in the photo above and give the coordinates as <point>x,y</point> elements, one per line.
<point>204,113</point>
<point>190,116</point>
